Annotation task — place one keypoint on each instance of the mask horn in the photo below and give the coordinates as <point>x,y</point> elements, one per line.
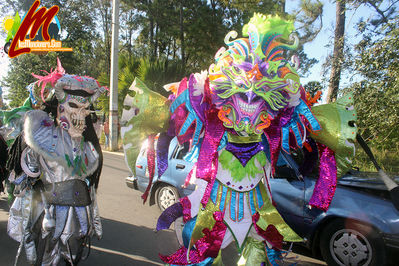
<point>60,69</point>
<point>97,94</point>
<point>59,92</point>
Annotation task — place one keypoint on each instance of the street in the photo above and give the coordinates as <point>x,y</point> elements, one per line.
<point>128,226</point>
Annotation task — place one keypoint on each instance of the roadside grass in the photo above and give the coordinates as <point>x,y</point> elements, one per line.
<point>387,159</point>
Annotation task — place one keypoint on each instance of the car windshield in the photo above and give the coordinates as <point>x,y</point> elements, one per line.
<point>360,163</point>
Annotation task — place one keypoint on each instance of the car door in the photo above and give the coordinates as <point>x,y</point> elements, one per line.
<point>288,193</point>
<point>178,168</point>
<point>142,172</point>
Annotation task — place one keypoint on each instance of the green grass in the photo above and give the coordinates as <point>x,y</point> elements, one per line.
<point>387,159</point>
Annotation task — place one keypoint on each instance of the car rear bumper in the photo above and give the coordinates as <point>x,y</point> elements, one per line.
<point>131,182</point>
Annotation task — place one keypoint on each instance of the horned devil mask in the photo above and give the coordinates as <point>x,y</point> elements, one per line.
<point>74,94</point>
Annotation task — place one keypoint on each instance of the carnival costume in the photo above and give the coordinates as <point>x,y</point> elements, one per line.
<point>240,117</point>
<point>56,163</point>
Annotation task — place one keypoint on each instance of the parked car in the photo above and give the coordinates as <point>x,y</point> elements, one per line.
<point>168,188</point>
<point>361,226</point>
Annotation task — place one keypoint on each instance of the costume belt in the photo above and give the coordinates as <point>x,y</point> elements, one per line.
<point>67,193</point>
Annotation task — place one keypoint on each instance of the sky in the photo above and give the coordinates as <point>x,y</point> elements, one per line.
<point>316,49</point>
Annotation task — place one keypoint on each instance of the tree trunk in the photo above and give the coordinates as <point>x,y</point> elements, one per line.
<point>174,48</point>
<point>155,52</point>
<point>183,60</point>
<point>338,55</point>
<point>282,6</point>
<point>151,41</point>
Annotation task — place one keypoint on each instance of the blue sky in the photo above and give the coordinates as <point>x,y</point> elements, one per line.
<point>317,48</point>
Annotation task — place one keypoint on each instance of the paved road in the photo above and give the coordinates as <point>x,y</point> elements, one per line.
<point>129,237</point>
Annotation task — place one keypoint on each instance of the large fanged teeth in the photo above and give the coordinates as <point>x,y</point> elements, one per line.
<point>78,124</point>
<point>247,109</point>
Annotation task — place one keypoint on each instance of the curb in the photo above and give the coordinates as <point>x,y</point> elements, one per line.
<point>114,152</point>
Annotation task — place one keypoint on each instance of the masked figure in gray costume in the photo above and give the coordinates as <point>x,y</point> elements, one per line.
<point>55,212</point>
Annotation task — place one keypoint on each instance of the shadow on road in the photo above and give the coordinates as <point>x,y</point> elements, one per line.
<point>4,204</point>
<point>122,244</point>
<point>9,247</point>
<point>126,244</point>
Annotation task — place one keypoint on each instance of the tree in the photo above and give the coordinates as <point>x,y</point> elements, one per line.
<point>19,75</point>
<point>377,94</point>
<point>338,53</point>
<point>338,64</point>
<point>78,27</point>
<point>312,87</point>
<point>103,10</point>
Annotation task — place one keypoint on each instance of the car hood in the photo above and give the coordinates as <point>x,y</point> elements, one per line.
<point>369,180</point>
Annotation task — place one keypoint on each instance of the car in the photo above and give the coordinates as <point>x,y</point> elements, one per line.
<point>361,226</point>
<point>168,188</point>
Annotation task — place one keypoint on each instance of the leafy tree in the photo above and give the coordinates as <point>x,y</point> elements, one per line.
<point>78,31</point>
<point>338,64</point>
<point>19,75</point>
<point>175,37</point>
<point>103,11</point>
<point>154,74</point>
<point>312,87</point>
<point>377,94</point>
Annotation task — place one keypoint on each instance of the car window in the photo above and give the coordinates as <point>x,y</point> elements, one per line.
<point>181,151</point>
<point>143,149</point>
<point>143,152</point>
<point>297,156</point>
<point>284,171</point>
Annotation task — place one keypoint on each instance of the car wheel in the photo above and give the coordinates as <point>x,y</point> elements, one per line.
<point>351,243</point>
<point>166,196</point>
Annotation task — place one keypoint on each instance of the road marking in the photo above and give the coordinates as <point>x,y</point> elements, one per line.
<point>135,257</point>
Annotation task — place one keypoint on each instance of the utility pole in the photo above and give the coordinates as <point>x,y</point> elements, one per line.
<point>113,100</point>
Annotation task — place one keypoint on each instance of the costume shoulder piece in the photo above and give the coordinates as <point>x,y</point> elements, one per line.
<point>54,144</point>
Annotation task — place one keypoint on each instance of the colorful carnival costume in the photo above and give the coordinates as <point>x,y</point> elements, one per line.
<point>56,164</point>
<point>12,124</point>
<point>248,111</point>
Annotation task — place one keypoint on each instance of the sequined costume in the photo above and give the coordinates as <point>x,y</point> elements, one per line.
<point>240,117</point>
<point>55,212</point>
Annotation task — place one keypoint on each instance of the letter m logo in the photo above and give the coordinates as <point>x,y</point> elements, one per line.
<point>33,20</point>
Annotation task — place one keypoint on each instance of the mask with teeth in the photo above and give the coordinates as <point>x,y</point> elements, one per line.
<point>74,93</point>
<point>72,113</point>
<point>251,81</point>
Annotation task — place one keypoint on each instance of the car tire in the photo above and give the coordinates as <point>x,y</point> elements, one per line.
<point>348,242</point>
<point>166,196</point>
